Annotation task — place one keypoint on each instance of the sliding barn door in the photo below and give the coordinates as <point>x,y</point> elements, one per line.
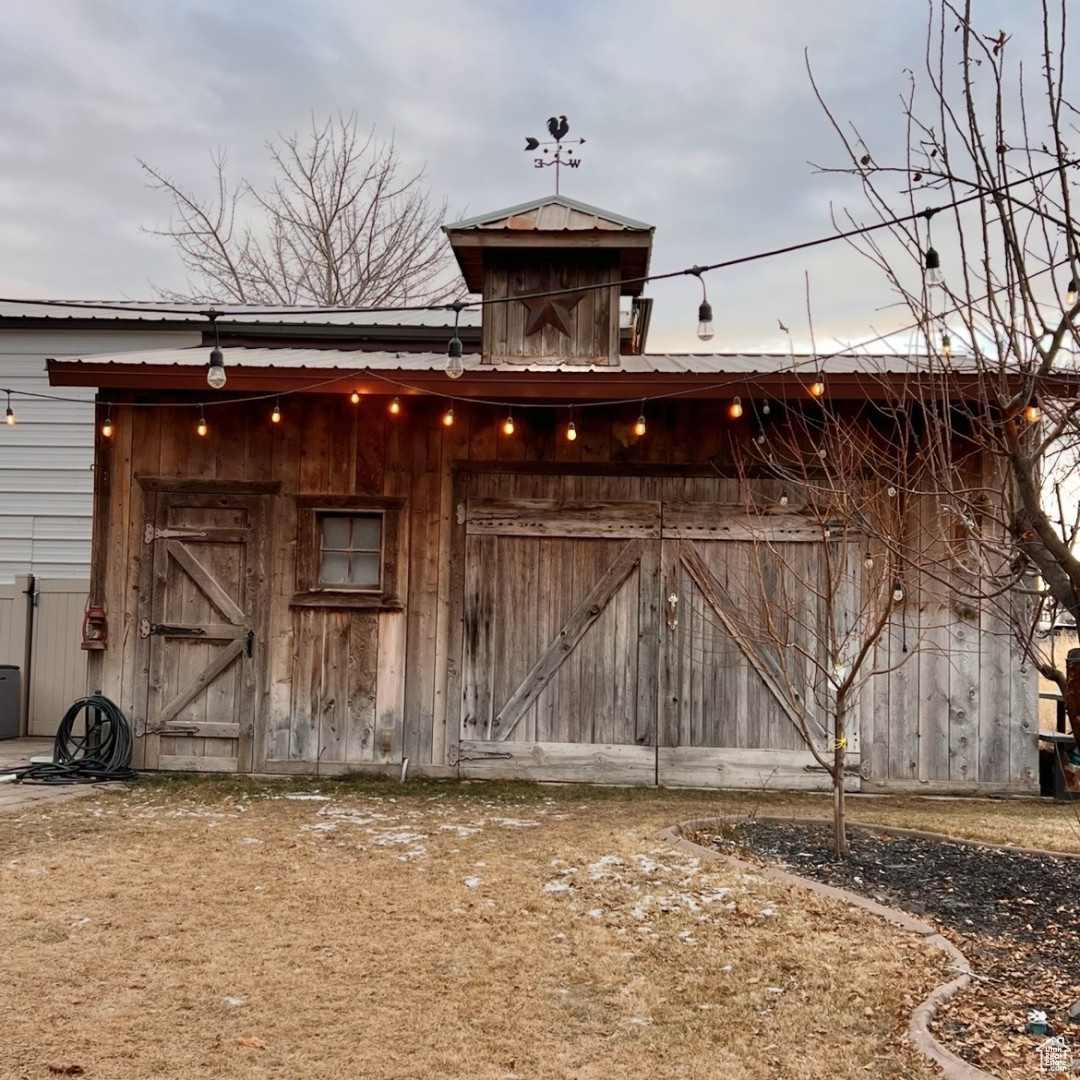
<point>745,648</point>
<point>559,659</point>
<point>200,638</point>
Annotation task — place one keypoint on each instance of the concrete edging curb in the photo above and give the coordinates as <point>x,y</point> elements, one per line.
<point>953,1066</point>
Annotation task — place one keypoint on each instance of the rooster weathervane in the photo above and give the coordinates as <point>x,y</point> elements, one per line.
<point>558,128</point>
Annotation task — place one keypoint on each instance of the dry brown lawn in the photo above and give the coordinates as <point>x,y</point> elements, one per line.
<point>219,929</point>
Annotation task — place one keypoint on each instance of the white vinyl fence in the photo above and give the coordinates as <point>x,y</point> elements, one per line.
<point>40,633</point>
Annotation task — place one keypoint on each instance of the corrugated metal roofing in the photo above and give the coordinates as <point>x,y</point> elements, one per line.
<point>667,363</point>
<point>243,314</point>
<point>552,213</point>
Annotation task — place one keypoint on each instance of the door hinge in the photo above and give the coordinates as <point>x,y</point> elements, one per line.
<point>151,533</point>
<point>146,628</point>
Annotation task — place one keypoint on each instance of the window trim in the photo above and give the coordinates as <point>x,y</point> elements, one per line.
<point>309,511</point>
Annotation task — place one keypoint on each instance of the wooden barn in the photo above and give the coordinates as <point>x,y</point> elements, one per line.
<point>388,573</point>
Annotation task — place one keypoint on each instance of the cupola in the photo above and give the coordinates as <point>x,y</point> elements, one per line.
<point>555,268</point>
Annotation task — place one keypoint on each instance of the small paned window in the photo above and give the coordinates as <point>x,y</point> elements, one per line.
<point>350,554</point>
<point>348,551</point>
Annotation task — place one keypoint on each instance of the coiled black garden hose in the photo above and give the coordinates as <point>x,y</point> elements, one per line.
<point>102,752</point>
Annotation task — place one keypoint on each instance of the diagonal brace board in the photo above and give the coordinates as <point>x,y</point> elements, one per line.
<point>206,582</point>
<point>728,613</point>
<point>223,659</point>
<point>584,615</point>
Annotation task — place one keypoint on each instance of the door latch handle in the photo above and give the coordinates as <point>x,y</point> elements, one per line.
<point>673,611</point>
<point>249,640</point>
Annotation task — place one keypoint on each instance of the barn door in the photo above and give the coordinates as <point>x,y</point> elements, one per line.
<point>560,628</point>
<point>739,683</point>
<point>200,638</point>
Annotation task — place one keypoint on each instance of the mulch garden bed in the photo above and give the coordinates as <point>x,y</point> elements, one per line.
<point>1015,915</point>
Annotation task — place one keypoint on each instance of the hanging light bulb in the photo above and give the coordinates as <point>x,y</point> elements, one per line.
<point>1071,293</point>
<point>932,263</point>
<point>704,315</point>
<point>765,410</point>
<point>448,417</point>
<point>704,321</point>
<point>275,416</point>
<point>200,427</point>
<point>735,408</point>
<point>9,416</point>
<point>759,438</point>
<point>455,366</point>
<point>215,373</point>
<point>1032,412</point>
<point>817,387</point>
<point>107,426</point>
<point>822,452</point>
<point>395,406</point>
<point>868,561</point>
<point>508,424</point>
<point>897,591</point>
<point>891,491</point>
<point>946,345</point>
<point>783,498</point>
<point>639,425</point>
<point>354,397</point>
<point>571,432</point>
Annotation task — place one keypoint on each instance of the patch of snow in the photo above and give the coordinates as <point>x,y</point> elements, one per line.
<point>471,882</point>
<point>556,886</point>
<point>307,796</point>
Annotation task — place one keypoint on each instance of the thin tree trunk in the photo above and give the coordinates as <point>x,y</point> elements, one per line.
<point>840,844</point>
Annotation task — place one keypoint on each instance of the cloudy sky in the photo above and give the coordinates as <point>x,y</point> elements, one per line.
<point>699,116</point>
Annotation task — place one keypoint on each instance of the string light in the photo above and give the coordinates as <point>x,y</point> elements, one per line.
<point>932,264</point>
<point>571,430</point>
<point>705,324</point>
<point>897,591</point>
<point>275,416</point>
<point>200,428</point>
<point>107,426</point>
<point>868,561</point>
<point>891,491</point>
<point>1032,412</point>
<point>639,424</point>
<point>946,345</point>
<point>215,373</point>
<point>354,397</point>
<point>455,365</point>
<point>783,498</point>
<point>817,387</point>
<point>822,452</point>
<point>395,406</point>
<point>9,416</point>
<point>1071,293</point>
<point>765,410</point>
<point>735,408</point>
<point>448,417</point>
<point>508,424</point>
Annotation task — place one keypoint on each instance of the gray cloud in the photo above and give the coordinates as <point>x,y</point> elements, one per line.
<point>698,113</point>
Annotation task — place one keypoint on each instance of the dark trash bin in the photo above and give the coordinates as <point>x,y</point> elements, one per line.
<point>9,701</point>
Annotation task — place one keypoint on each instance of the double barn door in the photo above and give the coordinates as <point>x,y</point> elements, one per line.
<point>605,639</point>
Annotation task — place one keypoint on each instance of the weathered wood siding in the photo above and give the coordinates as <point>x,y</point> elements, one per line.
<point>593,315</point>
<point>497,529</point>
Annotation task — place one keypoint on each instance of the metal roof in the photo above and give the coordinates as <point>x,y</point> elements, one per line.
<point>601,219</point>
<point>231,314</point>
<point>302,359</point>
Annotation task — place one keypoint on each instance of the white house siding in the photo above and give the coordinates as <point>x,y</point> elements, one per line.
<point>46,459</point>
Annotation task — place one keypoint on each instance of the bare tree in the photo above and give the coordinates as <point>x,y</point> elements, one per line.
<point>338,226</point>
<point>816,598</point>
<point>979,245</point>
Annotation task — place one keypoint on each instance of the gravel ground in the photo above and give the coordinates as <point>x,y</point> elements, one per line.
<point>1014,914</point>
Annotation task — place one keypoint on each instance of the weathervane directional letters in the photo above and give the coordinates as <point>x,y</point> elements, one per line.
<point>558,128</point>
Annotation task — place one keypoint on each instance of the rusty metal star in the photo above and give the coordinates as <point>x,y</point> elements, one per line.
<point>551,311</point>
